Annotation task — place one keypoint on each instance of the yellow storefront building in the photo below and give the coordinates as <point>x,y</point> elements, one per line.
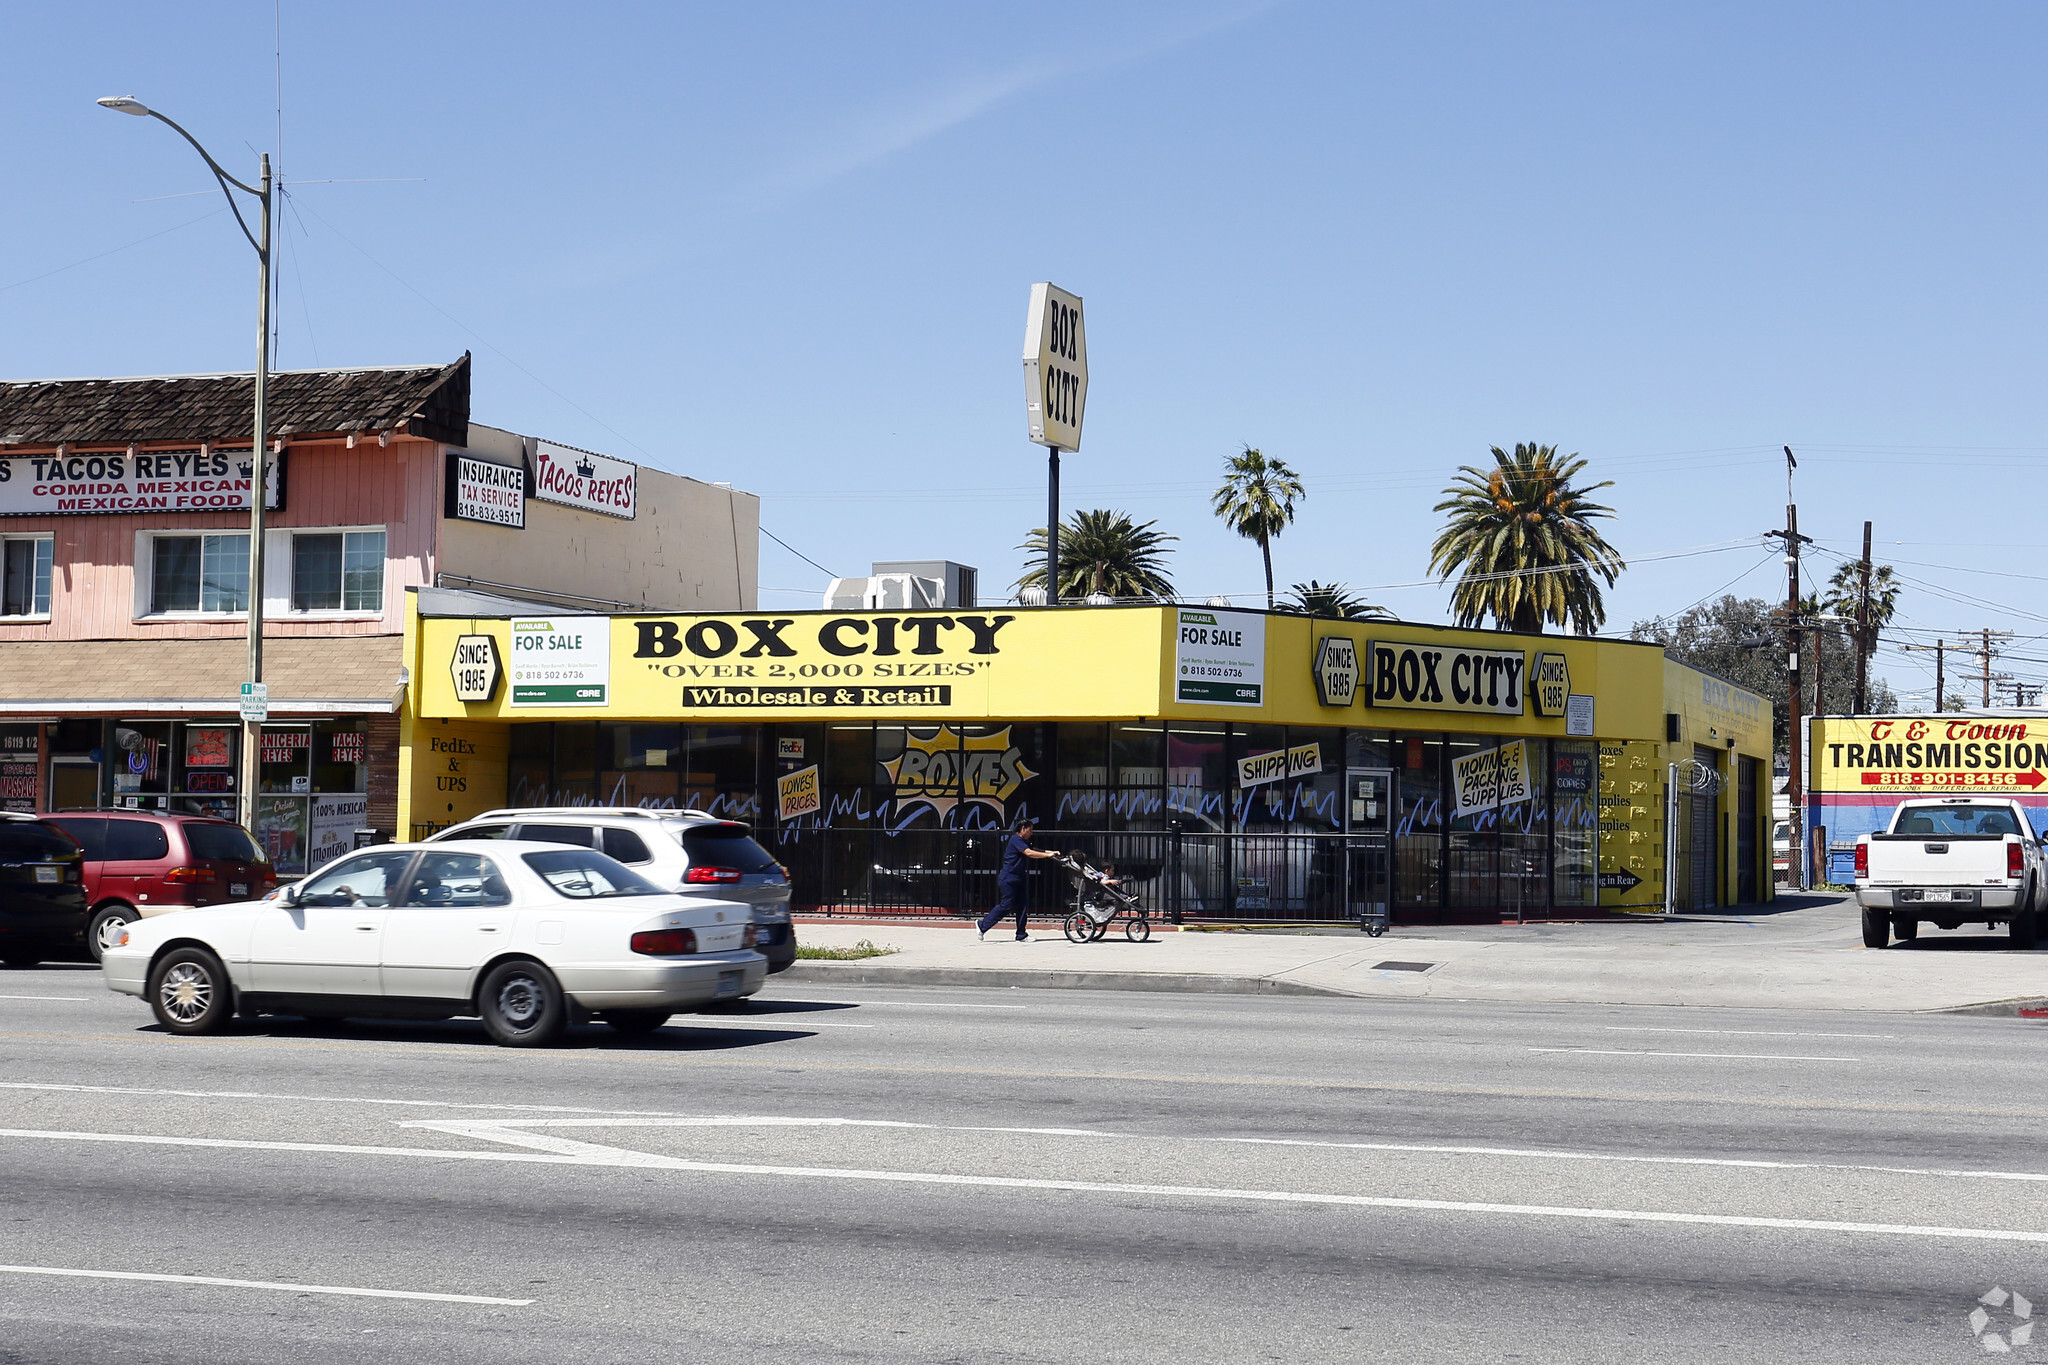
<point>1234,764</point>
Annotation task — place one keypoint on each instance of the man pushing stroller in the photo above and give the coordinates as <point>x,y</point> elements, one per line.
<point>1010,881</point>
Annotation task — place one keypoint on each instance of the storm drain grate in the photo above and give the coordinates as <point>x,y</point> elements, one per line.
<point>1402,966</point>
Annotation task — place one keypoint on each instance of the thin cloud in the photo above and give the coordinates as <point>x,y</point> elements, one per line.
<point>896,128</point>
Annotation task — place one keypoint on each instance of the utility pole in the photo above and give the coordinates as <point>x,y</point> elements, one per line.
<point>1940,696</point>
<point>1985,653</point>
<point>1794,788</point>
<point>1863,640</point>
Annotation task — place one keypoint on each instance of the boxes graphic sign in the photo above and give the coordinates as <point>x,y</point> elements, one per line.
<point>1219,657</point>
<point>561,661</point>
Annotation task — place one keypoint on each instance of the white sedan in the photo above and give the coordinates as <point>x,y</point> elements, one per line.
<point>524,935</point>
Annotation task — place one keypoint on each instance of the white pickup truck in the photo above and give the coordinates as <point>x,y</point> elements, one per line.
<point>1952,861</point>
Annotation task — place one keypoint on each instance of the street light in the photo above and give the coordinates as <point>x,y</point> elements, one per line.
<point>259,464</point>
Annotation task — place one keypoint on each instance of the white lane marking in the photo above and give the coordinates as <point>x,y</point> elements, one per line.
<point>262,1284</point>
<point>75,999</point>
<point>905,1004</point>
<point>494,1128</point>
<point>1743,1032</point>
<point>756,1023</point>
<point>590,1154</point>
<point>1724,1056</point>
<point>742,1120</point>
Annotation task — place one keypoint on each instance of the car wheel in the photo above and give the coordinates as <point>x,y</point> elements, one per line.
<point>99,934</point>
<point>521,1004</point>
<point>2021,931</point>
<point>1906,929</point>
<point>633,1023</point>
<point>190,992</point>
<point>1877,929</point>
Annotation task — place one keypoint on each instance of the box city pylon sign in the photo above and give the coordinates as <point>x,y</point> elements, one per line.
<point>1433,677</point>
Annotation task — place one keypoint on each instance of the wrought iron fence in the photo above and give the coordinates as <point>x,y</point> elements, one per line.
<point>1176,875</point>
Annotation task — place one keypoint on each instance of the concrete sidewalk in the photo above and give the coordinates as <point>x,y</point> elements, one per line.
<point>1807,955</point>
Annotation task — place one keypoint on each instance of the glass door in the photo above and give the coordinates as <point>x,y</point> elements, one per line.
<point>1368,825</point>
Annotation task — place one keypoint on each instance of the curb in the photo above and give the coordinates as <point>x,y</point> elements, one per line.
<point>2026,1007</point>
<point>857,974</point>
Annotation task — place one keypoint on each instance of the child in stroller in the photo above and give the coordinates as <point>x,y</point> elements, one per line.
<point>1099,897</point>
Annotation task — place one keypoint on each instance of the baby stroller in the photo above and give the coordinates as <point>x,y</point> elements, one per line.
<point>1097,903</point>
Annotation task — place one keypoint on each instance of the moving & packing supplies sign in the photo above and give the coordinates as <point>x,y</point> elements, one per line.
<point>1960,754</point>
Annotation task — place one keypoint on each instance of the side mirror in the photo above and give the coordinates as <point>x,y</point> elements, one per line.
<point>288,895</point>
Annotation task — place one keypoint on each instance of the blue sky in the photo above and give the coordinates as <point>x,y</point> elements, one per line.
<point>789,246</point>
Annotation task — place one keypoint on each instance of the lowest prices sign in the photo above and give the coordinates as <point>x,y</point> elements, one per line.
<point>1930,753</point>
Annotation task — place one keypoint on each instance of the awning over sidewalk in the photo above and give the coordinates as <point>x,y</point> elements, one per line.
<point>308,676</point>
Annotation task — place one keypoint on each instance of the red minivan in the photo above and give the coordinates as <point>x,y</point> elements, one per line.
<point>140,863</point>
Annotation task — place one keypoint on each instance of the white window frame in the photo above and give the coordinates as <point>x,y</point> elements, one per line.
<point>46,538</point>
<point>145,574</point>
<point>278,560</point>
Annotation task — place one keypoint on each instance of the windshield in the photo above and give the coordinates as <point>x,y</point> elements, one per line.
<point>586,874</point>
<point>1957,820</point>
<point>224,843</point>
<point>28,839</point>
<point>725,846</point>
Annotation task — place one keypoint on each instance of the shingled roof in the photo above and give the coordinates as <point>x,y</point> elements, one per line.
<point>427,401</point>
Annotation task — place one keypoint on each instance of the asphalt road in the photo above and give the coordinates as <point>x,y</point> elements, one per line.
<point>999,1175</point>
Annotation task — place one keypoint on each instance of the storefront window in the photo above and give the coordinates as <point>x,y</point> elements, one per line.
<point>529,763</point>
<point>724,772</point>
<point>643,765</point>
<point>1574,788</point>
<point>141,759</point>
<point>286,760</point>
<point>1470,869</point>
<point>1524,866</point>
<point>575,775</point>
<point>1419,821</point>
<point>1197,775</point>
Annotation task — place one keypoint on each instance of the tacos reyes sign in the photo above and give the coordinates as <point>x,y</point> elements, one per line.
<point>1430,677</point>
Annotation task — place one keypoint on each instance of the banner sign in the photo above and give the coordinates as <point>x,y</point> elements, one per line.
<point>333,826</point>
<point>1442,678</point>
<point>798,794</point>
<point>1303,760</point>
<point>577,478</point>
<point>147,481</point>
<point>561,661</point>
<point>486,491</point>
<point>1930,754</point>
<point>1491,778</point>
<point>1220,657</point>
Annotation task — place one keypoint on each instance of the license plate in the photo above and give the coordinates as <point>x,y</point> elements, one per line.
<point>49,874</point>
<point>238,888</point>
<point>728,984</point>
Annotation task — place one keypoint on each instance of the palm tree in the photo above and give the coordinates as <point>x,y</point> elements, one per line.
<point>1257,501</point>
<point>1104,552</point>
<point>1845,595</point>
<point>1520,541</point>
<point>1333,599</point>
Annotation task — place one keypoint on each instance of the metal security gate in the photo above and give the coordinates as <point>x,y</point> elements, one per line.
<point>1705,842</point>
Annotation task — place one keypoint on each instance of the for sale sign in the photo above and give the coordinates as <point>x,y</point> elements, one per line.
<point>1219,657</point>
<point>561,661</point>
